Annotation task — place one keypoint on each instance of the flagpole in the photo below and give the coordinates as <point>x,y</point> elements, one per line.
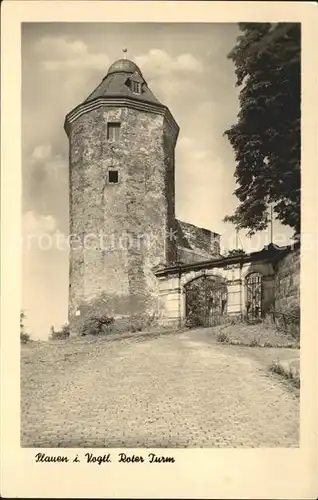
<point>271,219</point>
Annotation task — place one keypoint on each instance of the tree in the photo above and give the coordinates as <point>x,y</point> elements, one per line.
<point>266,138</point>
<point>22,317</point>
<point>236,252</point>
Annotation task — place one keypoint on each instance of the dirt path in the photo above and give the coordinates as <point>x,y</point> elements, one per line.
<point>172,391</point>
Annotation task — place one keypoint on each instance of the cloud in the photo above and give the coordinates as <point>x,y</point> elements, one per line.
<point>65,53</point>
<point>37,224</point>
<point>46,164</point>
<point>172,90</point>
<point>41,234</point>
<point>206,108</point>
<point>158,63</point>
<point>45,183</point>
<point>172,78</point>
<point>42,152</point>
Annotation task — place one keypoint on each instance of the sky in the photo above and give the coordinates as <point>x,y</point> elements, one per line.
<point>186,67</point>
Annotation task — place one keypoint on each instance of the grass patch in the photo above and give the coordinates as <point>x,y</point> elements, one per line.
<point>255,335</point>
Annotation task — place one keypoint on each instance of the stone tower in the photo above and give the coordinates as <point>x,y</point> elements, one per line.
<point>122,184</point>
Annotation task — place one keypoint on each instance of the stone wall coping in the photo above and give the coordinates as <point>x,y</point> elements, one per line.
<point>267,254</point>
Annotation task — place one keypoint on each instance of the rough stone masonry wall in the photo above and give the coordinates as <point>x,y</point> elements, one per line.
<point>169,149</point>
<point>196,244</point>
<point>133,214</point>
<point>287,283</point>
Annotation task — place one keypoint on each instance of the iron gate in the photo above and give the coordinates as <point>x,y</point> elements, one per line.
<point>254,295</point>
<point>206,300</point>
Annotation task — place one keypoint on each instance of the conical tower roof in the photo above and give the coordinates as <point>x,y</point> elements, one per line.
<point>118,88</point>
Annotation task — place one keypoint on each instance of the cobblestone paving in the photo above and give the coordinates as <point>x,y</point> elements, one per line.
<point>168,391</point>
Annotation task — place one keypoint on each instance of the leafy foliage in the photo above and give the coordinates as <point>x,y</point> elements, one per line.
<point>95,318</point>
<point>266,138</point>
<point>62,334</point>
<point>222,337</point>
<point>142,322</point>
<point>235,252</point>
<point>96,324</point>
<point>291,375</point>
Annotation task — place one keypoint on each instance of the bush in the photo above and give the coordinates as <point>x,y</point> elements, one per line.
<point>254,342</point>
<point>95,318</point>
<point>222,337</point>
<point>290,375</point>
<point>96,324</point>
<point>268,344</point>
<point>141,323</point>
<point>193,321</point>
<point>24,337</point>
<point>236,252</point>
<point>66,330</point>
<point>233,319</point>
<point>62,334</point>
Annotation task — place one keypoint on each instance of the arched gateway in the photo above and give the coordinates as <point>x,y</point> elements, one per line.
<point>206,300</point>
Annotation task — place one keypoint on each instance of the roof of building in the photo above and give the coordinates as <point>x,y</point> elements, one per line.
<point>116,84</point>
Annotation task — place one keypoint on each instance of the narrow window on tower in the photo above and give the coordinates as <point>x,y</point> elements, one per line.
<point>113,176</point>
<point>113,130</point>
<point>136,87</point>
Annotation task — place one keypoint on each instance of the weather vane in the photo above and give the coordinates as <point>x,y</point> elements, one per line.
<point>125,53</point>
